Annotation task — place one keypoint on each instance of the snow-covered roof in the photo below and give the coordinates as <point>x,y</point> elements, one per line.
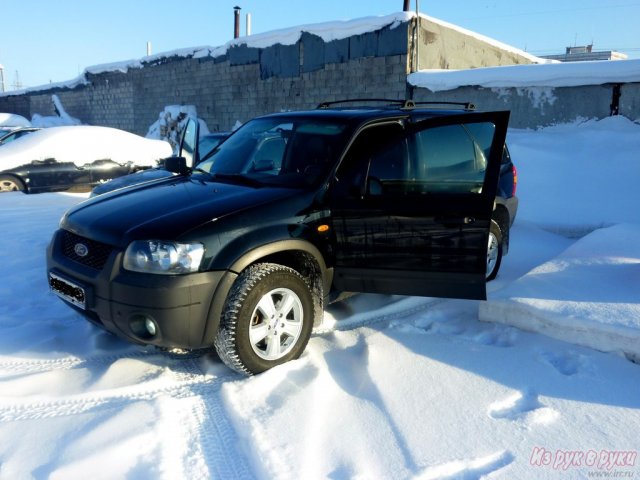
<point>328,31</point>
<point>547,75</point>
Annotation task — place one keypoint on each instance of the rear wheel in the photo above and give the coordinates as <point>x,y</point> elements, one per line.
<point>11,184</point>
<point>494,251</point>
<point>267,319</point>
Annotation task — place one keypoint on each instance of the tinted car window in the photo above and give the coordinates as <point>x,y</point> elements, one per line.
<point>450,160</point>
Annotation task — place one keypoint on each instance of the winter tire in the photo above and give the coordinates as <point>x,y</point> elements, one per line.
<point>267,319</point>
<point>11,184</point>
<point>494,251</point>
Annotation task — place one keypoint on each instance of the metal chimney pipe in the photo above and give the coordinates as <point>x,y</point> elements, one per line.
<point>236,22</point>
<point>407,6</point>
<point>248,24</point>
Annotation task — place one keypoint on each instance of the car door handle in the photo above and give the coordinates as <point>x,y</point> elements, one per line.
<point>456,220</point>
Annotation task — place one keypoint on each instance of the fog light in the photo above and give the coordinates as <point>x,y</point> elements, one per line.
<point>150,326</point>
<point>143,326</point>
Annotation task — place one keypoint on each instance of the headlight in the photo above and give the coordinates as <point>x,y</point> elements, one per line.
<point>156,256</point>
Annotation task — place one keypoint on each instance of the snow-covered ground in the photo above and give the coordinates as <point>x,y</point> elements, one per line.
<point>393,387</point>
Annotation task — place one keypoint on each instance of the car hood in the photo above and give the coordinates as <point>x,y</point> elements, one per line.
<point>164,210</point>
<point>131,179</point>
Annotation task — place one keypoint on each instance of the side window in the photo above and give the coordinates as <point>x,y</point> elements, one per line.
<point>452,158</point>
<point>268,155</point>
<point>376,163</point>
<point>189,141</point>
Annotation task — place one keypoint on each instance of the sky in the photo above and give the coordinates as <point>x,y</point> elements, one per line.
<point>43,41</point>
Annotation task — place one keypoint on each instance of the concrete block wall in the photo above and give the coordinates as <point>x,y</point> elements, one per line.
<point>246,82</point>
<point>535,107</point>
<point>237,86</point>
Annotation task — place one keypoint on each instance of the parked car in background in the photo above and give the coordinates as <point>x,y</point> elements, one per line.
<point>206,146</point>
<point>12,121</point>
<point>7,137</point>
<point>59,158</point>
<point>242,252</point>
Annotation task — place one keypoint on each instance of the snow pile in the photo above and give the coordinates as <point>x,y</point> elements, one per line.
<point>81,145</point>
<point>11,120</point>
<point>587,295</point>
<point>573,178</point>
<point>62,118</point>
<point>171,122</point>
<point>569,74</point>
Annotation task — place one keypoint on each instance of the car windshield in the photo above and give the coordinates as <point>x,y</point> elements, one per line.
<point>278,151</point>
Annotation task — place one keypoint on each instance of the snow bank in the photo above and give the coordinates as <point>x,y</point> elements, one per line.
<point>588,295</point>
<point>81,145</point>
<point>569,74</point>
<point>574,178</point>
<point>62,118</point>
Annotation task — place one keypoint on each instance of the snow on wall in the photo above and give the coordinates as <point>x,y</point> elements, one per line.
<point>328,31</point>
<point>548,75</point>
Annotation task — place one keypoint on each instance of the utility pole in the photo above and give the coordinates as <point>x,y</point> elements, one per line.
<point>2,90</point>
<point>17,84</point>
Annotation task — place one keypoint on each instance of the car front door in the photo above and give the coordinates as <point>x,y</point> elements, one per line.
<point>412,206</point>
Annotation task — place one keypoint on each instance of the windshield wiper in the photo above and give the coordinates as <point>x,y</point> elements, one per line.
<point>200,170</point>
<point>239,178</point>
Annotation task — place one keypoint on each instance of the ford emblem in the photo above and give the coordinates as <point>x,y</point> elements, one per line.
<point>81,249</point>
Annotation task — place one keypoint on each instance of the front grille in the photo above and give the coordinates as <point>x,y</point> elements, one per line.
<point>97,252</point>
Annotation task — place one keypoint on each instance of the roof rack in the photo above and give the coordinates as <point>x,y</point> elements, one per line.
<point>402,104</point>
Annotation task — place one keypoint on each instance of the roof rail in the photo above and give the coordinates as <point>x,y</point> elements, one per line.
<point>361,100</point>
<point>402,104</point>
<point>464,105</point>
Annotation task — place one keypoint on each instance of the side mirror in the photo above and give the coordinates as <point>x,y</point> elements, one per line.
<point>176,165</point>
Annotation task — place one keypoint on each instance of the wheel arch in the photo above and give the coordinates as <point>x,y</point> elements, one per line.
<point>500,215</point>
<point>16,177</point>
<point>299,255</point>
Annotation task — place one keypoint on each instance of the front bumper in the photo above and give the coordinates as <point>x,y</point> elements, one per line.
<point>185,309</point>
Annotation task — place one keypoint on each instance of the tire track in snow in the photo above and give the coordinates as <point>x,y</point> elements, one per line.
<point>188,381</point>
<point>28,366</point>
<point>206,456</point>
<point>370,317</point>
<point>217,436</point>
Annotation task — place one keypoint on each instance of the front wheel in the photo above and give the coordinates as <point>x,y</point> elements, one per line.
<point>11,184</point>
<point>494,251</point>
<point>267,319</point>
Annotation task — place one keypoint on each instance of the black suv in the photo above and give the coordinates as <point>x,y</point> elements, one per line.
<point>242,251</point>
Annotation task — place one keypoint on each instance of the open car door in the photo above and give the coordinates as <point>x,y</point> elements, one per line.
<point>189,143</point>
<point>412,206</point>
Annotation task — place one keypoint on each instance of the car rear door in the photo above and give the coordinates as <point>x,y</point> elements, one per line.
<point>412,206</point>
